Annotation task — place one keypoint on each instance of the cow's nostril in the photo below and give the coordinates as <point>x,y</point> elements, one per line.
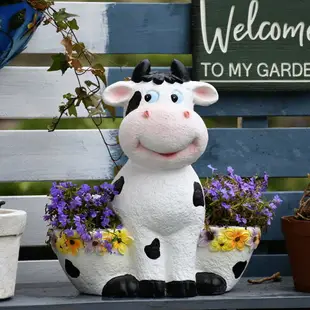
<point>186,114</point>
<point>146,114</point>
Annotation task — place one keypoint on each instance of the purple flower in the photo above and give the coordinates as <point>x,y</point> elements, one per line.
<point>97,235</point>
<point>86,236</point>
<point>92,213</point>
<point>230,170</point>
<point>105,221</point>
<point>108,246</point>
<point>69,232</point>
<point>119,227</point>
<point>84,189</point>
<point>277,200</point>
<point>273,206</point>
<point>108,212</point>
<point>46,217</point>
<point>76,202</point>
<point>87,197</point>
<point>225,205</point>
<point>224,193</point>
<point>212,169</point>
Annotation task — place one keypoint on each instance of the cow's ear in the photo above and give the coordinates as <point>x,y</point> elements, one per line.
<point>118,94</point>
<point>204,94</point>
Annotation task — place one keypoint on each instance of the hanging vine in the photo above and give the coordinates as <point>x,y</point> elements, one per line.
<point>74,55</point>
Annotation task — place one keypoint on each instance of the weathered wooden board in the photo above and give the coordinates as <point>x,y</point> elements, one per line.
<point>35,233</point>
<point>21,98</point>
<point>253,45</point>
<point>122,28</point>
<point>60,296</point>
<point>29,155</point>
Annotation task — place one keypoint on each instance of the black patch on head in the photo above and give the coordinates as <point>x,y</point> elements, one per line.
<point>238,269</point>
<point>178,73</point>
<point>122,286</point>
<point>152,251</point>
<point>152,288</point>
<point>198,197</point>
<point>134,102</point>
<point>71,270</point>
<point>118,185</point>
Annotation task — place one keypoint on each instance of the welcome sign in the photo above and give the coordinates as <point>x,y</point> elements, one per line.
<point>252,44</point>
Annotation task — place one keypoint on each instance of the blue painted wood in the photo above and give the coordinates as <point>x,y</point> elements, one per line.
<point>255,122</point>
<point>266,265</point>
<point>281,152</point>
<point>290,202</point>
<point>143,28</point>
<point>239,103</point>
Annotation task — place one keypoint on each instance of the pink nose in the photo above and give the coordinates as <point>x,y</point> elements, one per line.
<point>146,114</point>
<point>186,114</point>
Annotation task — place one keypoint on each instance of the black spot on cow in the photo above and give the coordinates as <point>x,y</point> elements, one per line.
<point>152,288</point>
<point>238,269</point>
<point>122,286</point>
<point>198,197</point>
<point>71,270</point>
<point>152,251</point>
<point>134,102</point>
<point>210,284</point>
<point>118,185</point>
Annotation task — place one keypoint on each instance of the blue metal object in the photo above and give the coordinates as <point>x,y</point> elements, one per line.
<point>18,22</point>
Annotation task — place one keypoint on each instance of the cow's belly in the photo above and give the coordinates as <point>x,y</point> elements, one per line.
<point>163,204</point>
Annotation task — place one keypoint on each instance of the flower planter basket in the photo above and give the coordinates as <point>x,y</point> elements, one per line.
<point>18,22</point>
<point>12,225</point>
<point>297,237</point>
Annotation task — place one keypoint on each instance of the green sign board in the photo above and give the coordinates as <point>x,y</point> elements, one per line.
<point>252,44</point>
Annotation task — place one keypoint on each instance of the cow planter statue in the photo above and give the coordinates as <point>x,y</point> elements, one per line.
<point>160,201</point>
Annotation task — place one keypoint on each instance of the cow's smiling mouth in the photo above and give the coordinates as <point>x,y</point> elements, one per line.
<point>189,147</point>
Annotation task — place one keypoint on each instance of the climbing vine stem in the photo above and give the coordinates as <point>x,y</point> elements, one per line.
<point>74,56</point>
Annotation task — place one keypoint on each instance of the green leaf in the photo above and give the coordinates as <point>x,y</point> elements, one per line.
<point>110,109</point>
<point>100,72</point>
<point>73,24</point>
<point>78,47</point>
<point>87,102</point>
<point>90,83</point>
<point>61,15</point>
<point>59,63</point>
<point>72,110</point>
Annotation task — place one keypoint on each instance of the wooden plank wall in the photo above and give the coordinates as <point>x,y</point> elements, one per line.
<point>33,93</point>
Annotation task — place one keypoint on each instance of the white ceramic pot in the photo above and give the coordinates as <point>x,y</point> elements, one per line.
<point>12,226</point>
<point>88,265</point>
<point>227,251</point>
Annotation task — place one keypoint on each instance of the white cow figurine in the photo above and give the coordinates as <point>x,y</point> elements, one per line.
<point>161,201</point>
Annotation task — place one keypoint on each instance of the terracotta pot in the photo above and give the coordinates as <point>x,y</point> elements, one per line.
<point>297,237</point>
<point>226,252</point>
<point>12,226</point>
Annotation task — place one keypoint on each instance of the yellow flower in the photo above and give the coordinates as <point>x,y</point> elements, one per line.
<point>221,244</point>
<point>119,238</point>
<point>238,237</point>
<point>74,245</point>
<point>61,244</point>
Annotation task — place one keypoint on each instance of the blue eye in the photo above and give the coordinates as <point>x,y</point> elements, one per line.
<point>177,97</point>
<point>151,96</point>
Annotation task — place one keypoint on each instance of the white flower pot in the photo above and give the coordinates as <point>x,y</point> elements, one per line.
<point>12,226</point>
<point>87,265</point>
<point>226,252</point>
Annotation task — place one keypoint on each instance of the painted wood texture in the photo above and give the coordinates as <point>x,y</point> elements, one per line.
<point>28,155</point>
<point>122,28</point>
<point>35,233</point>
<point>31,101</point>
<point>252,44</point>
<point>60,296</point>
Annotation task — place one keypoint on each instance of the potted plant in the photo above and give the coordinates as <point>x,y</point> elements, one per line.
<point>12,226</point>
<point>236,214</point>
<point>86,235</point>
<point>296,230</point>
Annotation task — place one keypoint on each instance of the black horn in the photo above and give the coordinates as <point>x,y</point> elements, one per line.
<point>143,68</point>
<point>179,70</point>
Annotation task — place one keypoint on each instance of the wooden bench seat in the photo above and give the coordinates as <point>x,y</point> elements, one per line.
<point>30,92</point>
<point>63,296</point>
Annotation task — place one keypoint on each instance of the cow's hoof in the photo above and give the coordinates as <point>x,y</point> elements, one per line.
<point>210,284</point>
<point>122,286</point>
<point>181,289</point>
<point>152,288</point>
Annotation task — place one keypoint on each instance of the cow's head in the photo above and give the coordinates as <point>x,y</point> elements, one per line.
<point>160,128</point>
